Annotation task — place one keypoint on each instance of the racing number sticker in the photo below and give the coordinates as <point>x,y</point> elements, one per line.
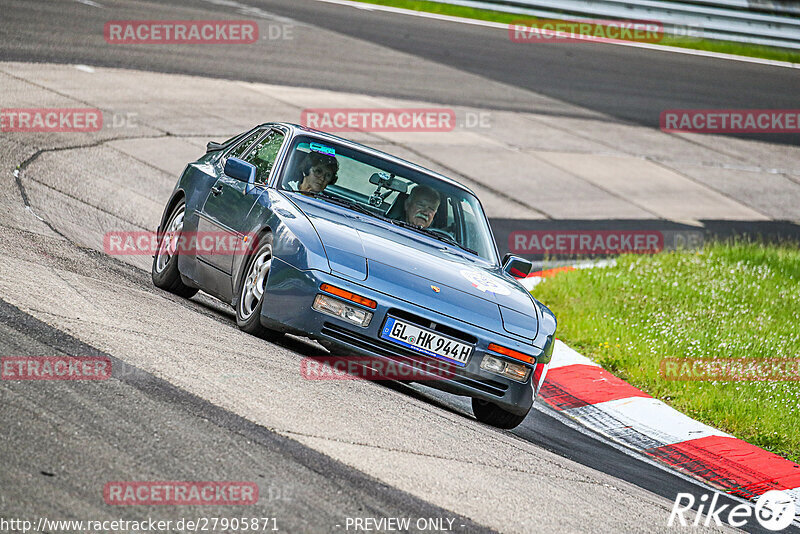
<point>484,282</point>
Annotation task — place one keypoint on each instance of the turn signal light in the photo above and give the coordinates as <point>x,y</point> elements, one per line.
<point>511,353</point>
<point>352,297</point>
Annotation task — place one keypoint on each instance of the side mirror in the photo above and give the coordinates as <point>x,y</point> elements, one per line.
<point>240,170</point>
<point>516,266</point>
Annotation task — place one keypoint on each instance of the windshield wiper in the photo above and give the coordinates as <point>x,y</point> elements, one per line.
<point>448,239</point>
<point>433,233</point>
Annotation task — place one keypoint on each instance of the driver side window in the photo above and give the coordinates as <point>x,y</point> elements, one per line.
<point>244,145</point>
<point>263,155</point>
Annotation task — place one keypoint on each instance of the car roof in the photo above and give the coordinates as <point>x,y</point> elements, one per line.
<point>297,129</point>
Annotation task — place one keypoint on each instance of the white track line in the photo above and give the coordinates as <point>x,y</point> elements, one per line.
<point>623,418</point>
<point>564,355</point>
<point>488,24</point>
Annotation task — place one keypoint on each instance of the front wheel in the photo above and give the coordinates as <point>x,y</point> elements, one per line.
<point>165,263</point>
<point>250,297</point>
<point>492,414</point>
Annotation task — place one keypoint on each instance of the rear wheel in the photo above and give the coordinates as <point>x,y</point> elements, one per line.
<point>492,414</point>
<point>165,263</point>
<point>250,297</point>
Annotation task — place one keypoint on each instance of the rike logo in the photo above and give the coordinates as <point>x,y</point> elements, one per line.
<point>775,510</point>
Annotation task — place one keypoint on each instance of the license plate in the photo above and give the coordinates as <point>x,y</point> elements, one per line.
<point>426,341</point>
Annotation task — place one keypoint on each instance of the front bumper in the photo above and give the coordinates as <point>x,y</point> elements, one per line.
<point>287,306</point>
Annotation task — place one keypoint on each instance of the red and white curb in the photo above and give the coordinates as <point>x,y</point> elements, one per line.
<point>585,392</point>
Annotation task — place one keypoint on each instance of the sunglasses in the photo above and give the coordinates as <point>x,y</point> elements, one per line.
<point>320,171</point>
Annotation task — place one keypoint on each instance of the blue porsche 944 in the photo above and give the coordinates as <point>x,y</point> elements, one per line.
<point>364,252</point>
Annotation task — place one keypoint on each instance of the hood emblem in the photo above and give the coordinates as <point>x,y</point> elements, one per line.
<point>435,289</point>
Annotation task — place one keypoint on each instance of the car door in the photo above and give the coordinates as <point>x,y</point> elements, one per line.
<point>230,200</point>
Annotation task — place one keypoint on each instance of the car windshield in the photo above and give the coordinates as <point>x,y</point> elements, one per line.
<point>401,195</point>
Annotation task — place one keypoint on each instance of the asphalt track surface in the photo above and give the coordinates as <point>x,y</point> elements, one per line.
<point>85,441</point>
<point>629,84</point>
<point>61,441</point>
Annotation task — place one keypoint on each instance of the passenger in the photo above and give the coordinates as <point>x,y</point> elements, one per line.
<point>315,173</point>
<point>421,206</point>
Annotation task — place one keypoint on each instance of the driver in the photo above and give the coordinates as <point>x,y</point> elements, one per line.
<point>421,206</point>
<point>315,173</point>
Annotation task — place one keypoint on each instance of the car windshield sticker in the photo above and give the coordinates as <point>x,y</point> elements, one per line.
<point>484,282</point>
<point>322,149</point>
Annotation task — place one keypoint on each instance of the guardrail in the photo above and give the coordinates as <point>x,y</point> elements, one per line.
<point>762,22</point>
<point>785,7</point>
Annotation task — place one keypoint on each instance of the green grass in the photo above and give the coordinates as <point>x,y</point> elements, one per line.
<point>725,47</point>
<point>730,300</point>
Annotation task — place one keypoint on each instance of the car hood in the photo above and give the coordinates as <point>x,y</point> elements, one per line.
<point>411,266</point>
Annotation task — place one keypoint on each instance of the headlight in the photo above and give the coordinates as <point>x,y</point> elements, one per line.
<point>342,310</point>
<point>514,371</point>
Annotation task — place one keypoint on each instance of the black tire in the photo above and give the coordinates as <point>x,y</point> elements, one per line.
<point>492,414</point>
<point>165,265</point>
<point>254,278</point>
